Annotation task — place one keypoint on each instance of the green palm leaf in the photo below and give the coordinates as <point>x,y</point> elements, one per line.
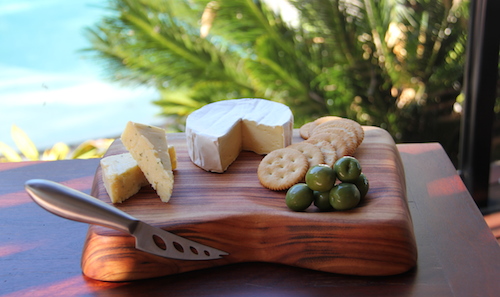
<point>386,63</point>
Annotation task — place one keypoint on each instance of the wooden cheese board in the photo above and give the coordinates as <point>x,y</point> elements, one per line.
<point>234,213</point>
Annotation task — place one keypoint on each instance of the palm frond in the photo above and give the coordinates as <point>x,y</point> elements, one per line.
<point>384,63</point>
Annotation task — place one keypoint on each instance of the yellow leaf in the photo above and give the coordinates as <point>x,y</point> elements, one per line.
<point>92,148</point>
<point>24,143</point>
<point>82,149</point>
<point>88,154</point>
<point>9,153</point>
<point>58,152</point>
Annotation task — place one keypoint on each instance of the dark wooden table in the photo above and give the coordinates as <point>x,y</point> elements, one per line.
<point>458,254</point>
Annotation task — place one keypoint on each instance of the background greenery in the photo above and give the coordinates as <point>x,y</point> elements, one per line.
<point>390,63</point>
<point>28,151</point>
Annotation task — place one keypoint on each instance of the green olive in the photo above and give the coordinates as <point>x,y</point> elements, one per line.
<point>344,196</point>
<point>347,169</point>
<point>320,178</point>
<point>362,184</point>
<point>322,200</point>
<point>299,197</point>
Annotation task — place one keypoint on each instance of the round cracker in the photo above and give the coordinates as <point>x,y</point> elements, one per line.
<point>305,129</point>
<point>340,145</point>
<point>282,168</point>
<point>339,123</point>
<point>313,153</point>
<point>345,123</point>
<point>358,129</point>
<point>325,119</point>
<point>360,132</point>
<point>349,137</point>
<point>327,149</point>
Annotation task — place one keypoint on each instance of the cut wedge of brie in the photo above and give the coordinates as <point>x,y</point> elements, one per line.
<point>218,132</point>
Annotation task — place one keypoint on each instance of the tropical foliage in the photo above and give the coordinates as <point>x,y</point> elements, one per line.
<point>28,151</point>
<point>390,63</point>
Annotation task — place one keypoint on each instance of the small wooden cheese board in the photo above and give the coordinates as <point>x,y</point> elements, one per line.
<point>234,213</point>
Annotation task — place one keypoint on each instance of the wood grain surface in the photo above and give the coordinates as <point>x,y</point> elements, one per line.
<point>234,213</point>
<point>458,255</point>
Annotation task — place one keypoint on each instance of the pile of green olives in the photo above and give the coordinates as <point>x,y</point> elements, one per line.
<point>322,189</point>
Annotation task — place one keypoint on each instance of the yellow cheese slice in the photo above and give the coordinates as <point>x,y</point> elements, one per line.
<point>122,177</point>
<point>148,146</point>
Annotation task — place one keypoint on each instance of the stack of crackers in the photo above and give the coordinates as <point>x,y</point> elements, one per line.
<point>326,140</point>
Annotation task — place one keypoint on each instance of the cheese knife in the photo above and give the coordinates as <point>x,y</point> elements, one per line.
<point>78,206</point>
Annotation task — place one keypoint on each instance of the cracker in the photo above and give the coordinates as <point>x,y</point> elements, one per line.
<point>345,123</point>
<point>313,153</point>
<point>360,132</point>
<point>325,119</point>
<point>282,168</point>
<point>358,129</point>
<point>339,123</point>
<point>305,129</point>
<point>339,143</point>
<point>348,136</point>
<point>327,149</point>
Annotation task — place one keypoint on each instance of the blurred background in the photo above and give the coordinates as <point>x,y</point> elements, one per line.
<point>72,71</point>
<point>48,88</point>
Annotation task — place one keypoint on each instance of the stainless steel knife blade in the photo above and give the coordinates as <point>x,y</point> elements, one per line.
<point>78,206</point>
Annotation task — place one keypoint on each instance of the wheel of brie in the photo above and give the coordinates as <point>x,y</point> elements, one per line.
<point>218,132</point>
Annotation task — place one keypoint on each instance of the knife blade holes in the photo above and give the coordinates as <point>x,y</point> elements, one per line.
<point>193,250</point>
<point>178,247</point>
<point>159,242</point>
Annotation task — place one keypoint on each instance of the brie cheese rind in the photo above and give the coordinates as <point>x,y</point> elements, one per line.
<point>218,132</point>
<point>149,148</point>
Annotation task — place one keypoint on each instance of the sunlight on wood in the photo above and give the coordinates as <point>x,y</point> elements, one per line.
<point>446,186</point>
<point>493,221</point>
<point>11,249</point>
<point>13,165</point>
<point>22,197</point>
<point>65,287</point>
<point>422,149</point>
<point>80,184</point>
<point>14,199</point>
